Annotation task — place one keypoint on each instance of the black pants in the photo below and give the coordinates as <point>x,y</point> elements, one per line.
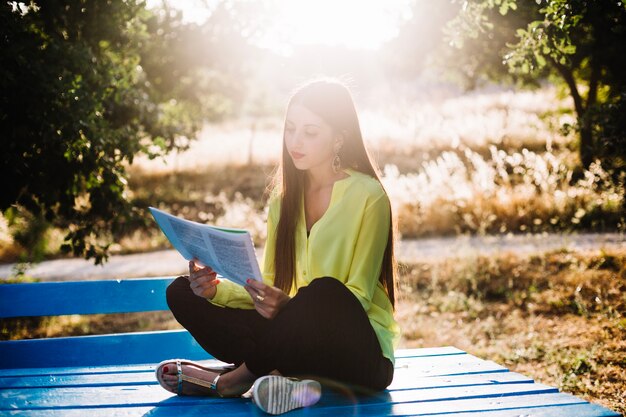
<point>321,333</point>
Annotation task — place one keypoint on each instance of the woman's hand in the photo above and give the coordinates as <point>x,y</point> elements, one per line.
<point>202,280</point>
<point>273,299</point>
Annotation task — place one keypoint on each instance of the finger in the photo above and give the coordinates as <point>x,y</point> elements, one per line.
<point>202,274</point>
<point>262,310</point>
<point>253,291</point>
<point>196,264</point>
<point>205,279</point>
<point>262,313</point>
<point>254,294</point>
<point>202,267</point>
<point>206,292</point>
<point>259,285</point>
<point>209,285</point>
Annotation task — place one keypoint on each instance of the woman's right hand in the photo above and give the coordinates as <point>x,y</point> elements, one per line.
<point>202,280</point>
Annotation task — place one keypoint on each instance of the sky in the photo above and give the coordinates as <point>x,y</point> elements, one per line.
<point>359,24</point>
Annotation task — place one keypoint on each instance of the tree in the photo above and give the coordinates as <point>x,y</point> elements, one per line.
<point>88,85</point>
<point>581,43</point>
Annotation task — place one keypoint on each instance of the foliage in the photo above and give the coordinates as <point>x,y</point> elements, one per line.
<point>87,86</point>
<point>576,42</point>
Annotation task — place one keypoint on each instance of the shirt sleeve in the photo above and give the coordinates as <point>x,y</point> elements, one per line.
<point>369,250</point>
<point>229,294</point>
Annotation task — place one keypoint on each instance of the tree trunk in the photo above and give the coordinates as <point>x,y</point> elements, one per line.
<point>586,144</point>
<point>585,149</point>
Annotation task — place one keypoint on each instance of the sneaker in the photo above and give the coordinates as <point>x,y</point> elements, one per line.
<point>277,394</point>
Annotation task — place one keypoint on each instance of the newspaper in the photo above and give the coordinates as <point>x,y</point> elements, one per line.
<point>229,252</point>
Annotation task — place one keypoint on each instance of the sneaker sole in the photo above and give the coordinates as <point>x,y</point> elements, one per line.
<point>276,394</point>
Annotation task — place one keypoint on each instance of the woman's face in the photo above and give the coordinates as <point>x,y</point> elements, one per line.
<point>310,141</point>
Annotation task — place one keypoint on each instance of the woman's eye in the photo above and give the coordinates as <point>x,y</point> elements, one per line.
<point>311,134</point>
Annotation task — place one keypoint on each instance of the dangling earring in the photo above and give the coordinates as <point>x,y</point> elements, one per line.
<point>336,163</point>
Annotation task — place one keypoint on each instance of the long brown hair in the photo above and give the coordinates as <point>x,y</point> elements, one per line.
<point>331,100</point>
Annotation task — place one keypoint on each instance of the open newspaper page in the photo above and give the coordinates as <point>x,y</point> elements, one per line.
<point>228,251</point>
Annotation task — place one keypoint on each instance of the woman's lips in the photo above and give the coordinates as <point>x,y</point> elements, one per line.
<point>297,155</point>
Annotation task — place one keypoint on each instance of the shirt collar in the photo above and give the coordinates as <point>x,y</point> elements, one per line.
<point>339,188</point>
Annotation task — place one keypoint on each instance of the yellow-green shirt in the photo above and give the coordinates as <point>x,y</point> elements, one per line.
<point>347,243</point>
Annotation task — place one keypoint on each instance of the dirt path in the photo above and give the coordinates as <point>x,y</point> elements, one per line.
<point>170,263</point>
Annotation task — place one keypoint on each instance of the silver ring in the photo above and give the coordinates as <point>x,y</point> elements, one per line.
<point>258,297</point>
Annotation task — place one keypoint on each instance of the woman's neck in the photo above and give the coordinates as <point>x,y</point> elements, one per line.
<point>317,178</point>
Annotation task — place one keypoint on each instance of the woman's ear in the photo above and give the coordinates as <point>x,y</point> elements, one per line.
<point>339,140</point>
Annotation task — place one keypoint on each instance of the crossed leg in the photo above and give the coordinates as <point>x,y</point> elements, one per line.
<point>322,332</point>
<point>229,334</point>
<point>231,384</point>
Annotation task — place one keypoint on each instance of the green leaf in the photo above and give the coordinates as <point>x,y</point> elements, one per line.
<point>569,49</point>
<point>541,61</point>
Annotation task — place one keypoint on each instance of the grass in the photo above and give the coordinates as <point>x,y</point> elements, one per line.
<point>486,162</point>
<point>558,317</point>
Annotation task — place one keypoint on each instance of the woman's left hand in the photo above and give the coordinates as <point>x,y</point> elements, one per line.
<point>273,299</point>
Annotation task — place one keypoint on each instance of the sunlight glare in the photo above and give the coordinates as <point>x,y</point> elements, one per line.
<point>363,24</point>
<point>357,24</point>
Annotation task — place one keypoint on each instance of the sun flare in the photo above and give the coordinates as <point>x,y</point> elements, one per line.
<point>359,24</point>
<point>351,23</point>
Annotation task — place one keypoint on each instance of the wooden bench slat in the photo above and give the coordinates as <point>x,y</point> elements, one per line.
<point>128,348</point>
<point>476,406</point>
<point>403,379</point>
<point>448,365</point>
<point>428,351</point>
<point>83,297</point>
<point>152,395</point>
<point>570,410</point>
<point>408,394</point>
<point>141,366</point>
<point>544,405</point>
<point>124,348</point>
<point>516,406</point>
<point>78,370</point>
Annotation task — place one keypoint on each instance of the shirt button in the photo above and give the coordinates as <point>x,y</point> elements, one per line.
<point>304,272</point>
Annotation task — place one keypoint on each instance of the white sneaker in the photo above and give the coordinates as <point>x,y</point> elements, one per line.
<point>277,394</point>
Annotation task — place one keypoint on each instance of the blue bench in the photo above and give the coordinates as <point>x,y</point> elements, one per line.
<point>106,375</point>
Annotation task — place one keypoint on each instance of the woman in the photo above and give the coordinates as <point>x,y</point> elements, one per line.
<point>324,311</point>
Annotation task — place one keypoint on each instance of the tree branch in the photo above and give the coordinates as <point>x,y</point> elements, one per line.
<point>568,76</point>
<point>592,95</point>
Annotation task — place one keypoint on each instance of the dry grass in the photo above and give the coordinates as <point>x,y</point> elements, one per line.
<point>457,192</point>
<point>559,317</point>
<point>464,192</point>
<point>493,161</point>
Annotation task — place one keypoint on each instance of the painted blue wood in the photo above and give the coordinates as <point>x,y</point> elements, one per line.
<point>138,347</point>
<point>428,351</point>
<point>94,350</point>
<point>152,395</point>
<point>133,394</point>
<point>211,409</point>
<point>477,400</point>
<point>138,366</point>
<point>83,297</point>
<point>114,374</point>
<point>573,410</point>
<point>403,379</point>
